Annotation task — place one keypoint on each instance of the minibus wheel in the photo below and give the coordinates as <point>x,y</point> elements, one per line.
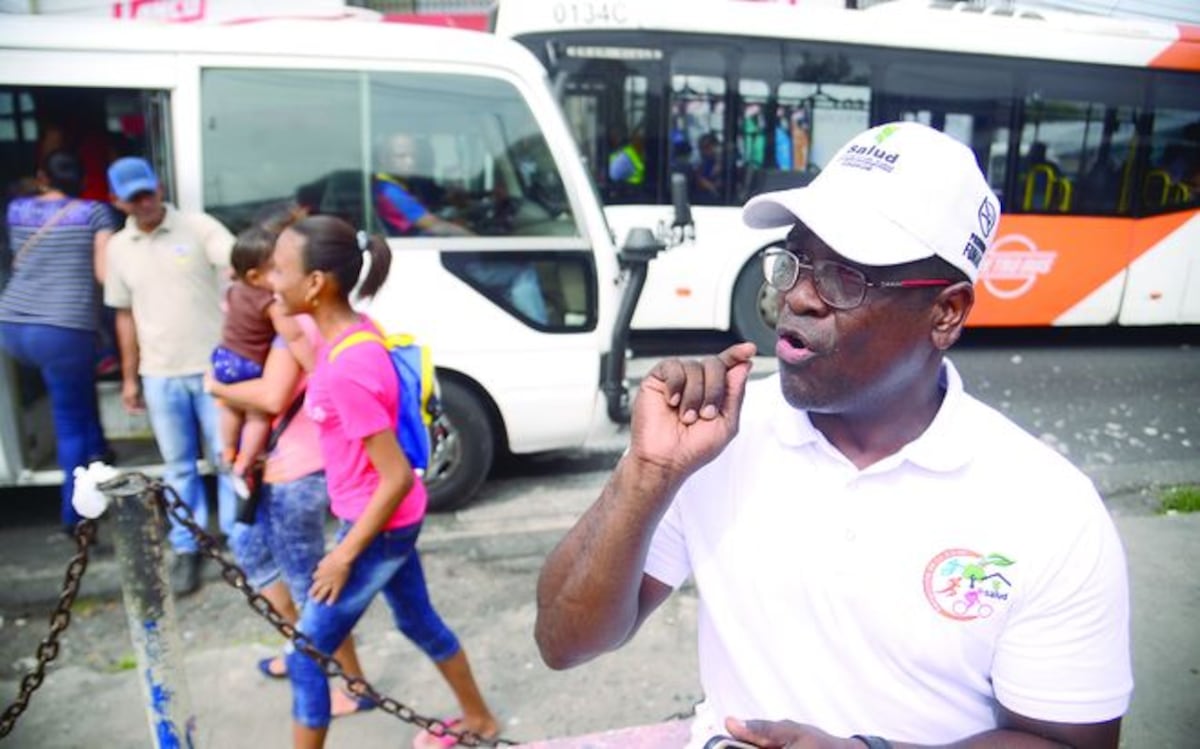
<point>754,308</point>
<point>461,463</point>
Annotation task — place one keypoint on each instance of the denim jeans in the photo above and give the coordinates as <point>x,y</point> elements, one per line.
<point>66,358</point>
<point>391,565</point>
<point>180,413</point>
<point>287,538</point>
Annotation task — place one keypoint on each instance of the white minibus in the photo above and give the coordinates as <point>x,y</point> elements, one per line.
<point>237,117</point>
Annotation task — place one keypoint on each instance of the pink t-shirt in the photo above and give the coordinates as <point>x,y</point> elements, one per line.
<point>297,453</point>
<point>350,399</point>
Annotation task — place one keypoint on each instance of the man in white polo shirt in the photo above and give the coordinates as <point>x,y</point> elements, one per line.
<point>881,559</point>
<point>164,277</point>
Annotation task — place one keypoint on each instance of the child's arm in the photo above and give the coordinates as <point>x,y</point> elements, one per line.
<point>293,335</point>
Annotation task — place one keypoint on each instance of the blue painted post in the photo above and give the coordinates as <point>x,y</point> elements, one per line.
<point>137,531</point>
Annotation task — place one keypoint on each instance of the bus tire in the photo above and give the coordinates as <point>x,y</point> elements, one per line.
<point>463,460</point>
<point>754,308</point>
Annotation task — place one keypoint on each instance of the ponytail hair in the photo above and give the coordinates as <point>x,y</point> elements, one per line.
<point>333,246</point>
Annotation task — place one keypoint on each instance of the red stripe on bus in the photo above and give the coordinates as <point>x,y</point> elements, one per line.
<point>1184,53</point>
<point>1042,266</point>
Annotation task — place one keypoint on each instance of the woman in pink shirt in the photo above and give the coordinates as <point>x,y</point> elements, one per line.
<point>372,487</point>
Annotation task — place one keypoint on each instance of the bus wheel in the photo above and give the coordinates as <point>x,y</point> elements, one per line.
<point>462,461</point>
<point>755,308</point>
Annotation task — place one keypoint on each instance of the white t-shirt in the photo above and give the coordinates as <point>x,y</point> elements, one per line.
<point>902,600</point>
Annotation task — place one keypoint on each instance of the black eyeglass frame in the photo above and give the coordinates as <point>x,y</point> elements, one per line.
<point>819,267</point>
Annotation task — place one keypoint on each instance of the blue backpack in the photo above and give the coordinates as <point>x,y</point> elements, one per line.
<point>418,423</point>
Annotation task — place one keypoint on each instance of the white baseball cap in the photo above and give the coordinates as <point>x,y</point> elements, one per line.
<point>894,194</point>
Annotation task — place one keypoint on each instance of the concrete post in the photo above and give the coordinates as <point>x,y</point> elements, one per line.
<point>137,532</point>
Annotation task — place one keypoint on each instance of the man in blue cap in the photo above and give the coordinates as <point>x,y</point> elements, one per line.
<point>164,278</point>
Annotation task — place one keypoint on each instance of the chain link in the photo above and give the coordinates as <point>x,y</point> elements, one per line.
<point>60,619</point>
<point>236,578</point>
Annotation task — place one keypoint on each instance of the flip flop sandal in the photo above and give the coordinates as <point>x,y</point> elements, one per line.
<point>265,667</point>
<point>361,705</point>
<point>427,739</point>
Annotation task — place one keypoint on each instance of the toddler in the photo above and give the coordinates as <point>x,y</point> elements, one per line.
<point>252,320</point>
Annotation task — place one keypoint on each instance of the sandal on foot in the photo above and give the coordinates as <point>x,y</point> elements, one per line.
<point>361,705</point>
<point>427,739</point>
<point>265,667</point>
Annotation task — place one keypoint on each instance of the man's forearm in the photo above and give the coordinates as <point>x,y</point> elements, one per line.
<point>588,592</point>
<point>127,345</point>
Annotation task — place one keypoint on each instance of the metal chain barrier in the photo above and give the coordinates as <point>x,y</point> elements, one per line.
<point>85,534</point>
<point>236,578</point>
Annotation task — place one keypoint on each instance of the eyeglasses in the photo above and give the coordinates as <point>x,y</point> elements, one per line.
<point>839,286</point>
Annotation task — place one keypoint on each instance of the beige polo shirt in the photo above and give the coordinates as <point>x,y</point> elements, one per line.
<point>171,278</point>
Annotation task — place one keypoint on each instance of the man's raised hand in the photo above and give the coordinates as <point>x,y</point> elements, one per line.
<point>687,411</point>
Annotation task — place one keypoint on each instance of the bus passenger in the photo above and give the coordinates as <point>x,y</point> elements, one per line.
<point>373,489</point>
<point>49,310</point>
<point>879,556</point>
<point>405,200</point>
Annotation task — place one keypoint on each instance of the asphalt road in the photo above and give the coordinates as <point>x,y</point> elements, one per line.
<point>1126,411</point>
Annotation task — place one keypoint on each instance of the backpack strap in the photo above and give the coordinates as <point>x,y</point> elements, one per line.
<point>355,338</point>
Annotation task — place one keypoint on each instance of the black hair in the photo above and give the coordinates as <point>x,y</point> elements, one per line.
<point>251,249</point>
<point>64,172</point>
<point>255,244</point>
<point>331,245</point>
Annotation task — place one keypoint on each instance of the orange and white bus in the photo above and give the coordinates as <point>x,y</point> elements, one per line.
<point>1088,129</point>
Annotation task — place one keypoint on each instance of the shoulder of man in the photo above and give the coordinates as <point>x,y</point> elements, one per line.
<point>199,222</point>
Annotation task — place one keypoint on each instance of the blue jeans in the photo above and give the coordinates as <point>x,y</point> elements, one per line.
<point>391,565</point>
<point>288,537</point>
<point>66,358</point>
<point>180,412</point>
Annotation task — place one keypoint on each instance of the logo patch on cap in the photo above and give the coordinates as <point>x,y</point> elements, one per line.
<point>868,158</point>
<point>987,217</point>
<point>974,249</point>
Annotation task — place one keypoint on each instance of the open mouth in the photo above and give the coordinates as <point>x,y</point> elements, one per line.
<point>792,347</point>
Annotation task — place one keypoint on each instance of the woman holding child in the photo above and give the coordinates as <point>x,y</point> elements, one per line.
<point>373,490</point>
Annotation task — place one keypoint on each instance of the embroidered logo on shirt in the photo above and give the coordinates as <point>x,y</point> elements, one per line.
<point>964,585</point>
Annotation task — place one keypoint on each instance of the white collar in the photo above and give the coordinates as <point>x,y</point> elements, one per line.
<point>944,446</point>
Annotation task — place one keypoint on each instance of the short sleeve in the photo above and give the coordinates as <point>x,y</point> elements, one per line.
<point>116,292</point>
<point>365,400</point>
<point>101,218</point>
<point>218,242</point>
<point>1064,654</point>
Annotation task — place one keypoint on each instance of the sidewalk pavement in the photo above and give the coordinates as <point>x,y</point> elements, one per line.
<point>81,706</point>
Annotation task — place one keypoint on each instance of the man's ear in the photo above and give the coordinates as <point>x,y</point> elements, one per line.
<point>950,309</point>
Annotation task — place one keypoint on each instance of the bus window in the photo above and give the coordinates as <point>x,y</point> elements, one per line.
<point>626,163</point>
<point>268,136</point>
<point>827,97</point>
<point>971,103</point>
<point>1172,177</point>
<point>471,154</point>
<point>697,122</point>
<point>1077,139</point>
